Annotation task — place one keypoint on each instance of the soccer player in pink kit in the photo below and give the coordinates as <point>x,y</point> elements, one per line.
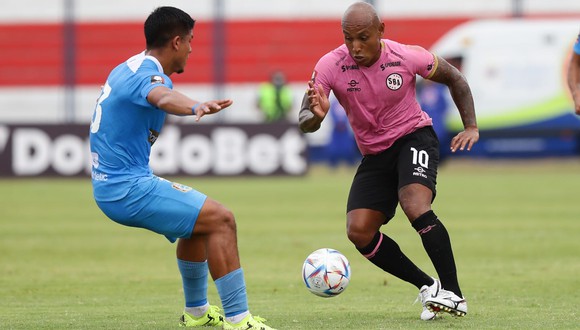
<point>374,80</point>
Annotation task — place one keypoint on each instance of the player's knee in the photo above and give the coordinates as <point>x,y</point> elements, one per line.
<point>227,220</point>
<point>414,208</point>
<point>415,200</point>
<point>359,235</point>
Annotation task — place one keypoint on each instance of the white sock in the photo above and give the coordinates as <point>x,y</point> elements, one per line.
<point>198,310</point>
<point>237,318</point>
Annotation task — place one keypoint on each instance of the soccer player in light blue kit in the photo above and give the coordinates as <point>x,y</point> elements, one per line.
<point>127,120</point>
<point>574,75</point>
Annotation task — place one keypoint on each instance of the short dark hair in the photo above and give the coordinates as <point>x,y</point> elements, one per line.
<point>164,23</point>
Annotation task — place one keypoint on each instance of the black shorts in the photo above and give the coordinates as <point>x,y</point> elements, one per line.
<point>411,159</point>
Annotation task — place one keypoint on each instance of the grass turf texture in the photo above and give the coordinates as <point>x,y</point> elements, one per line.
<point>514,228</point>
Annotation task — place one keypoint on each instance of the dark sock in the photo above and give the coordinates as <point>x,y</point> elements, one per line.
<point>438,246</point>
<point>386,254</point>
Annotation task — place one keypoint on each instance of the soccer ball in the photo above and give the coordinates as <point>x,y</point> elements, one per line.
<point>326,272</point>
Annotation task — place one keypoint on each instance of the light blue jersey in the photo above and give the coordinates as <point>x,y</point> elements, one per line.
<point>125,126</point>
<point>577,45</point>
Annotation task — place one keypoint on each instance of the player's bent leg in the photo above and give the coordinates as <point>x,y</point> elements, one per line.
<point>362,225</point>
<point>415,202</point>
<point>385,253</point>
<point>216,225</point>
<point>415,199</point>
<point>437,244</point>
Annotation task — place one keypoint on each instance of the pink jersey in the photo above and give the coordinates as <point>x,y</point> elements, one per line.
<point>379,100</point>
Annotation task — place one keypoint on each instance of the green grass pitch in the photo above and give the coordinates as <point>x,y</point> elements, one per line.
<point>515,229</point>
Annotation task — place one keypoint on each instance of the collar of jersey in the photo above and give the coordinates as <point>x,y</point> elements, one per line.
<point>156,61</point>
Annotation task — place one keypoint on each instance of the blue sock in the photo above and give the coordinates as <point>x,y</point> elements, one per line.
<point>194,277</point>
<point>232,290</point>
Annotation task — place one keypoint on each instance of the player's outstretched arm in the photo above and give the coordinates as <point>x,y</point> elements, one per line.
<point>176,103</point>
<point>315,106</point>
<point>574,80</point>
<point>461,93</point>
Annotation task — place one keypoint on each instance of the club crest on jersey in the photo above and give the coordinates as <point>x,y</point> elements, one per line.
<point>394,81</point>
<point>157,80</point>
<point>180,187</point>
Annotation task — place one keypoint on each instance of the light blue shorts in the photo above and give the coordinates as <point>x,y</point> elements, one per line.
<point>153,203</point>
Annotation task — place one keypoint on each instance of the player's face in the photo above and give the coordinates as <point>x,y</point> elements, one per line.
<point>363,42</point>
<point>183,52</point>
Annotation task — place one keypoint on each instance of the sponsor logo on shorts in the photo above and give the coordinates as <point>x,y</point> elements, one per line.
<point>180,187</point>
<point>419,171</point>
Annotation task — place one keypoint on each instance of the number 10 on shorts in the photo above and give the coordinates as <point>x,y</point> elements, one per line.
<point>420,157</point>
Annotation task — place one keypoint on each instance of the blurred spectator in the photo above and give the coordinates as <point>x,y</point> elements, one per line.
<point>574,75</point>
<point>342,146</point>
<point>275,98</point>
<point>432,97</point>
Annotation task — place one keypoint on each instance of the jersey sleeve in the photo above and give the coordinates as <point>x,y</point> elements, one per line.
<point>322,74</point>
<point>152,79</point>
<point>425,62</point>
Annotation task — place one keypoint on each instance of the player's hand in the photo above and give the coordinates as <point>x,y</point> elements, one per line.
<point>210,107</point>
<point>465,139</point>
<point>319,103</point>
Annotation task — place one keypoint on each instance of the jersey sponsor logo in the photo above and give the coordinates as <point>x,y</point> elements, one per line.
<point>153,135</point>
<point>98,176</point>
<point>353,86</point>
<point>157,80</point>
<point>180,187</point>
<point>397,54</point>
<point>419,171</point>
<point>337,63</point>
<point>384,66</point>
<point>345,68</point>
<point>394,81</point>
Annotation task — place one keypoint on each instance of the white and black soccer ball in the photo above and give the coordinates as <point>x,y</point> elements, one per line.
<point>326,272</point>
